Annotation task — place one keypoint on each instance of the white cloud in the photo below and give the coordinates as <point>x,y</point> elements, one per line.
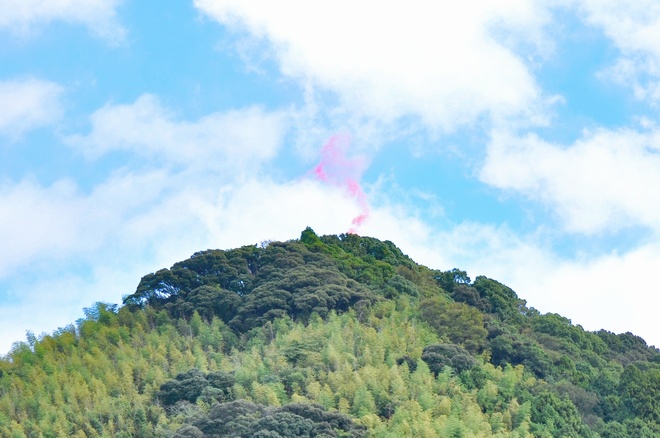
<point>99,16</point>
<point>447,65</point>
<point>228,140</point>
<point>35,220</point>
<point>605,181</point>
<point>28,103</point>
<point>57,223</point>
<point>634,28</point>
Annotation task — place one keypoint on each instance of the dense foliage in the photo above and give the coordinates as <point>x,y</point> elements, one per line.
<point>295,420</point>
<point>326,336</point>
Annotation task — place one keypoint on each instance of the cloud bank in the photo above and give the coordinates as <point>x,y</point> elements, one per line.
<point>446,65</point>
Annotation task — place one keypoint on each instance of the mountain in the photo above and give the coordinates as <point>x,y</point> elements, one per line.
<point>327,336</point>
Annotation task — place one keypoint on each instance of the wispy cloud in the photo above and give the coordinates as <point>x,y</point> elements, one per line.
<point>231,140</point>
<point>634,28</point>
<point>28,103</point>
<point>99,16</point>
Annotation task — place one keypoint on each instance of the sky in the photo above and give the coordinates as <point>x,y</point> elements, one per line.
<point>516,139</point>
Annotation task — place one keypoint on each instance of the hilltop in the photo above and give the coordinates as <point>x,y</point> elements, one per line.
<point>326,336</point>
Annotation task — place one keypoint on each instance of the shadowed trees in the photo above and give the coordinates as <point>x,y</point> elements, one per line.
<point>189,386</point>
<point>250,286</point>
<point>244,418</point>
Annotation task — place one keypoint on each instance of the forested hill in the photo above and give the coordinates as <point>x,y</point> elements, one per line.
<point>331,336</point>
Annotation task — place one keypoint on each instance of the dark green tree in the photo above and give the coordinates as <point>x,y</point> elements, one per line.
<point>439,356</point>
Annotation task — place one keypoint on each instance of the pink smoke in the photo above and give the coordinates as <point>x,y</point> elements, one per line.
<point>334,168</point>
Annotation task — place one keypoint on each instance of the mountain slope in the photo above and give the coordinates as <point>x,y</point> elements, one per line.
<point>326,336</point>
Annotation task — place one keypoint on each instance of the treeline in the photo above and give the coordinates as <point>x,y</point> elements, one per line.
<point>326,336</point>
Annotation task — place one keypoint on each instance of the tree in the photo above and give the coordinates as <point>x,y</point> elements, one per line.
<point>244,418</point>
<point>469,295</point>
<point>640,392</point>
<point>448,280</point>
<point>363,402</point>
<point>189,432</point>
<point>458,322</point>
<point>558,416</point>
<point>503,301</point>
<point>189,386</point>
<point>439,356</point>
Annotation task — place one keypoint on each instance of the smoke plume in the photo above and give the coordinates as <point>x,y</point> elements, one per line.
<point>338,170</point>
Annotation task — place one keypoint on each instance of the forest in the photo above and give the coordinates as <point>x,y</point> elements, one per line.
<point>326,336</point>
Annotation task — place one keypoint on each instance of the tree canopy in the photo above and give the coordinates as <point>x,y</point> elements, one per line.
<point>326,336</point>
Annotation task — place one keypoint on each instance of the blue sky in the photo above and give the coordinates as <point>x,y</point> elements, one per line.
<point>517,141</point>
